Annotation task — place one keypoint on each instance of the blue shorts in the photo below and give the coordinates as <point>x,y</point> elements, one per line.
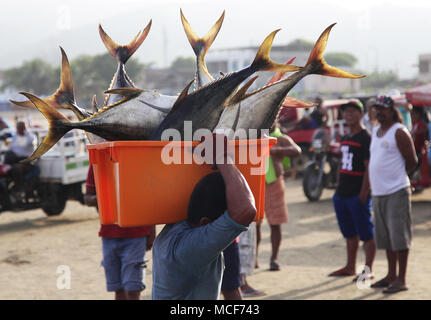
<point>123,260</point>
<point>231,277</point>
<point>354,218</point>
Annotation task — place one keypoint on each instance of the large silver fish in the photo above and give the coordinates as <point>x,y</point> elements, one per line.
<point>204,106</point>
<point>259,109</point>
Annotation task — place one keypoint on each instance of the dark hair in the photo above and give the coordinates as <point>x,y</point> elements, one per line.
<point>208,199</point>
<point>397,115</point>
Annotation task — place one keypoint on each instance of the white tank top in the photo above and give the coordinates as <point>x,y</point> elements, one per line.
<point>387,167</point>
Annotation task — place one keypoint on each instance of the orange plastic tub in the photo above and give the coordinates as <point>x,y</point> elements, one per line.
<point>135,186</point>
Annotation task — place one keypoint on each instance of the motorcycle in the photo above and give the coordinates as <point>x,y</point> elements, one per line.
<point>321,171</point>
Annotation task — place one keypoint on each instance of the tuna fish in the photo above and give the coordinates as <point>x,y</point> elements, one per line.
<point>204,106</point>
<point>259,109</point>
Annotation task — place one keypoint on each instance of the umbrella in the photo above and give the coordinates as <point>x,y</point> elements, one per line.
<point>420,96</point>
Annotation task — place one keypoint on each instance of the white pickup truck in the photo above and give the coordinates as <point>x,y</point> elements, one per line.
<point>57,176</point>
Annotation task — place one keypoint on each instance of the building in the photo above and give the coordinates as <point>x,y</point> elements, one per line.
<point>425,67</point>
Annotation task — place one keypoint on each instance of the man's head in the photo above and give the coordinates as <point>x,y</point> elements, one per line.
<point>386,111</point>
<point>353,111</point>
<point>20,128</point>
<point>208,200</point>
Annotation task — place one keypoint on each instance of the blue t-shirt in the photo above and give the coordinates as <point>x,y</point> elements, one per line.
<point>188,262</point>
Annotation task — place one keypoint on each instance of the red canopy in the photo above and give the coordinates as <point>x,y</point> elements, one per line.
<point>420,96</point>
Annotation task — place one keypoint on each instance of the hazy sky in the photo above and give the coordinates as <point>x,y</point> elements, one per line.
<point>381,34</point>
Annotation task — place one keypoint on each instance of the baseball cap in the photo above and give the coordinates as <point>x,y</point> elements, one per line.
<point>384,101</point>
<point>353,103</point>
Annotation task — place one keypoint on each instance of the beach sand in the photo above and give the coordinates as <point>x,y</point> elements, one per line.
<point>33,249</point>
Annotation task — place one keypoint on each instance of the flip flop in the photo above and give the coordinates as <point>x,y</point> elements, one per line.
<point>274,266</point>
<point>340,273</point>
<point>252,293</point>
<point>394,289</point>
<point>380,284</point>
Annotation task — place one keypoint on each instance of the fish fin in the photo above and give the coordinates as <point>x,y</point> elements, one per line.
<point>182,96</point>
<point>239,95</point>
<point>57,126</point>
<point>290,102</point>
<point>25,104</point>
<point>279,75</point>
<point>122,53</point>
<point>236,121</point>
<point>262,61</point>
<point>200,46</point>
<point>94,106</point>
<point>316,58</point>
<point>63,97</point>
<point>129,93</point>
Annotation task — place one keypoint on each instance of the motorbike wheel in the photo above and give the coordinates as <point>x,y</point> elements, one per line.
<point>54,200</point>
<point>312,190</point>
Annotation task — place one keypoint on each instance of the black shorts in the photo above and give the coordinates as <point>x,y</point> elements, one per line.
<point>231,277</point>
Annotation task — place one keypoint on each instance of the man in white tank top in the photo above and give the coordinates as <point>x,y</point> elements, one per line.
<point>392,157</point>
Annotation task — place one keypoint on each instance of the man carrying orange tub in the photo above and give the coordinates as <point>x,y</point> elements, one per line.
<point>123,251</point>
<point>187,256</point>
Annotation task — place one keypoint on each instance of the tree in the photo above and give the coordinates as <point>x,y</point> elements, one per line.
<point>91,75</point>
<point>380,80</point>
<point>184,64</point>
<point>35,76</point>
<point>341,59</point>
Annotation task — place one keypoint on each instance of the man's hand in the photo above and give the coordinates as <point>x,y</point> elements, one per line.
<point>363,196</point>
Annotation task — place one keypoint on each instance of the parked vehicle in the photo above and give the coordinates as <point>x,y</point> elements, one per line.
<point>303,137</point>
<point>321,171</point>
<point>50,181</point>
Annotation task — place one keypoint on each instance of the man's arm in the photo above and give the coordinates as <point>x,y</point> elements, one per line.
<point>239,198</point>
<point>407,149</point>
<point>365,188</point>
<point>285,147</point>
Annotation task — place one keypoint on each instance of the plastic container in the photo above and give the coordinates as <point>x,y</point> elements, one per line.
<point>136,186</point>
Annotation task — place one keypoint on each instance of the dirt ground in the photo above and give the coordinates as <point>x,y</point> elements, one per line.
<point>33,249</point>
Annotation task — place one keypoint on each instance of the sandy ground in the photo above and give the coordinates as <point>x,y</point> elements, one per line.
<point>33,247</point>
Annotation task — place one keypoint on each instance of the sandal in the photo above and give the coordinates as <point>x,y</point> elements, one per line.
<point>394,289</point>
<point>380,284</point>
<point>340,273</point>
<point>274,266</point>
<point>252,293</point>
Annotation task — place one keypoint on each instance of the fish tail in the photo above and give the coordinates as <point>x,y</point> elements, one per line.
<point>201,45</point>
<point>319,64</point>
<point>63,97</point>
<point>262,61</point>
<point>59,125</point>
<point>122,53</point>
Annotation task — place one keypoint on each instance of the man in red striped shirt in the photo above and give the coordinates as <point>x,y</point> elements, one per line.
<point>352,202</point>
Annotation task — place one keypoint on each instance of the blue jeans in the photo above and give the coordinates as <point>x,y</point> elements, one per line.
<point>123,260</point>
